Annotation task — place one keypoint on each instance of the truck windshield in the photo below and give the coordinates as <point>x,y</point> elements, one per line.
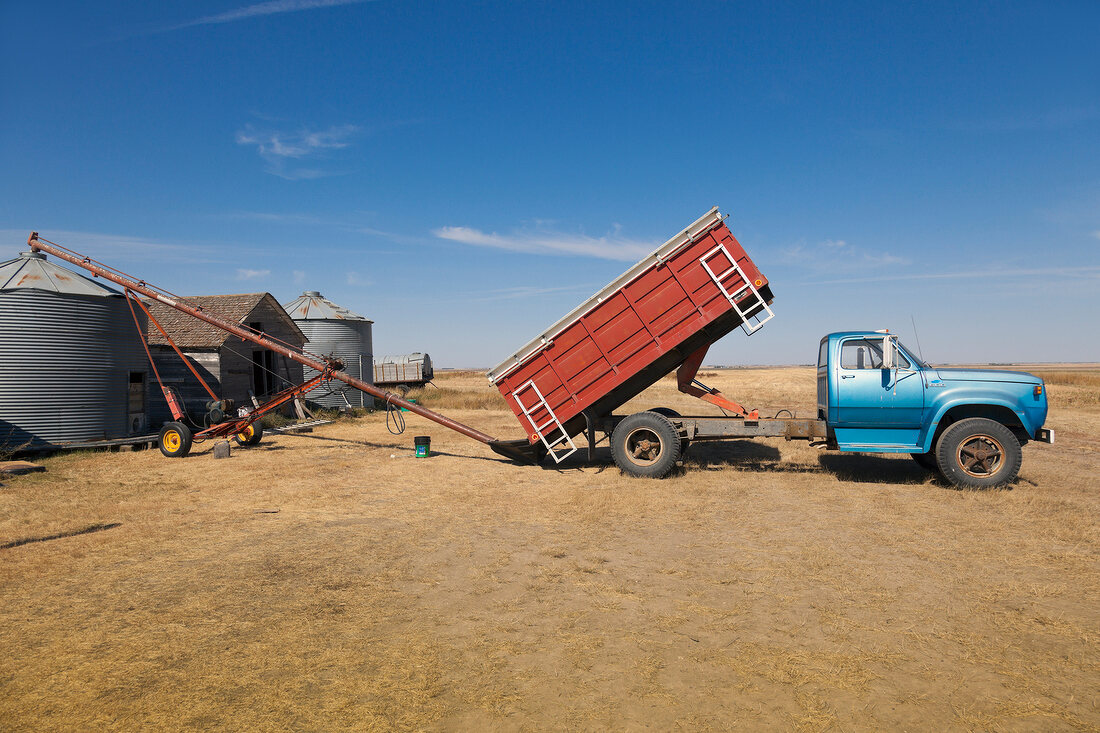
<point>909,354</point>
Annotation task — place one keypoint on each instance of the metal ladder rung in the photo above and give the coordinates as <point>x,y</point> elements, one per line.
<point>749,327</point>
<point>541,402</point>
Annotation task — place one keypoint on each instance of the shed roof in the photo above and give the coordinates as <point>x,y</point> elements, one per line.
<point>189,332</point>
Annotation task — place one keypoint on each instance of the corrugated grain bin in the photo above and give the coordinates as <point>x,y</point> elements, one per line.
<point>332,330</point>
<point>72,367</point>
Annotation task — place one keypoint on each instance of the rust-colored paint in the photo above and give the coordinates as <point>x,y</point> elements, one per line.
<point>688,384</point>
<point>291,352</point>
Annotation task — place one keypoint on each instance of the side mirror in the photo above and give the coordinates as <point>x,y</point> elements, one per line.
<point>889,352</point>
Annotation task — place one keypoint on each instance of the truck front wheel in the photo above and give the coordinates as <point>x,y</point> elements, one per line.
<point>978,453</point>
<point>646,444</point>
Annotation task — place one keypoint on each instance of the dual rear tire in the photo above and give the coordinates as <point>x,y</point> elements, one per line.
<point>646,444</point>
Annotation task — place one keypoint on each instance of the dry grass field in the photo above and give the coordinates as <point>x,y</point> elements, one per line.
<point>332,581</point>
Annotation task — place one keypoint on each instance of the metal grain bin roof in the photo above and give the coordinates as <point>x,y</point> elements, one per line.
<point>32,271</point>
<point>312,306</point>
<point>332,330</point>
<point>67,348</point>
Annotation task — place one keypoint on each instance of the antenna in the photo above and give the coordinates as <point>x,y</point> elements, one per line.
<point>919,350</point>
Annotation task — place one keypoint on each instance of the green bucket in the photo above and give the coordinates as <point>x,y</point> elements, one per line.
<point>413,400</point>
<point>423,445</point>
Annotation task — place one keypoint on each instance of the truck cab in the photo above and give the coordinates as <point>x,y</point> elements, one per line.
<point>876,395</point>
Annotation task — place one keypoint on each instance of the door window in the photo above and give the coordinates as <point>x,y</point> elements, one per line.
<point>861,354</point>
<point>867,354</point>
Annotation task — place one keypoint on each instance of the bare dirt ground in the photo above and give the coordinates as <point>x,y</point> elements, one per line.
<point>333,581</point>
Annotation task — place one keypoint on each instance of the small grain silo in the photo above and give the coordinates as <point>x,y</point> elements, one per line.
<point>332,330</point>
<point>72,366</point>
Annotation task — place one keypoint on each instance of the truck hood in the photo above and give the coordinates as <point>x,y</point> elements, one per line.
<point>986,375</point>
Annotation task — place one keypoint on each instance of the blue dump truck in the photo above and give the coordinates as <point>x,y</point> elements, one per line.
<point>873,396</point>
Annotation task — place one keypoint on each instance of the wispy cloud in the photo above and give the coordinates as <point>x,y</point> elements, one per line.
<point>1032,120</point>
<point>299,277</point>
<point>287,153</point>
<point>110,248</point>
<point>832,255</point>
<point>542,241</point>
<point>273,7</point>
<point>528,291</point>
<point>246,274</point>
<point>1030,273</point>
<point>1096,234</point>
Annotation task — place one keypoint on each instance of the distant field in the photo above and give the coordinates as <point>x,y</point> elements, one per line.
<point>332,581</point>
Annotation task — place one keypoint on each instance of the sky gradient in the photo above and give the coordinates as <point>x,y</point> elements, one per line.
<point>464,173</point>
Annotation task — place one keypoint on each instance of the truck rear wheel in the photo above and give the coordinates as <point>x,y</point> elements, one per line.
<point>670,413</point>
<point>978,453</point>
<point>174,440</point>
<point>646,444</point>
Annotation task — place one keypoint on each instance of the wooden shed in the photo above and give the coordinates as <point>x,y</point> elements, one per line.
<point>235,369</point>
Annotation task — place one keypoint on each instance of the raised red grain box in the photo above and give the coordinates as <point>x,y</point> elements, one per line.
<point>691,291</point>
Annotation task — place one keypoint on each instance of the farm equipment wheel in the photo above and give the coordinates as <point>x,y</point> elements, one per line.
<point>250,435</point>
<point>175,440</point>
<point>645,444</point>
<point>978,453</point>
<point>669,412</point>
<point>927,461</point>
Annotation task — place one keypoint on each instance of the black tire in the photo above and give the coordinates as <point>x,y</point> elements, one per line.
<point>174,440</point>
<point>978,453</point>
<point>670,413</point>
<point>645,444</point>
<point>250,435</point>
<point>927,461</point>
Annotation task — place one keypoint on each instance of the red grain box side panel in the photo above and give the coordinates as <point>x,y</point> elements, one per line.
<point>626,328</point>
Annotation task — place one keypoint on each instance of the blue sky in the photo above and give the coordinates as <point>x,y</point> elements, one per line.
<point>464,173</point>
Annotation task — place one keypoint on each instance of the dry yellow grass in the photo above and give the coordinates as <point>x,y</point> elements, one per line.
<point>316,582</point>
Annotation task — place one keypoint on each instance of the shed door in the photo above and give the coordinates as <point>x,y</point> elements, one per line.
<point>263,372</point>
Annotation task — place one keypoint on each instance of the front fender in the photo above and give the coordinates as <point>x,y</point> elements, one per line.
<point>940,408</point>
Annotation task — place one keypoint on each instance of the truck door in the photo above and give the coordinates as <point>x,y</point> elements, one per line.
<point>869,396</point>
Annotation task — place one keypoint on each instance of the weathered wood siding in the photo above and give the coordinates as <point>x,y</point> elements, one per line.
<point>228,370</point>
<point>175,374</point>
<point>236,354</point>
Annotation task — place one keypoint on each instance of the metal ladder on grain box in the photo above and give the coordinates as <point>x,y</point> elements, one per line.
<point>749,326</point>
<point>540,430</point>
